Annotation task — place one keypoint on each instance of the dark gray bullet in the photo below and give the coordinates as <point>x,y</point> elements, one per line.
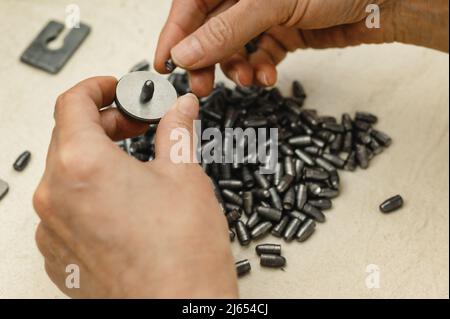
<point>232,197</point>
<point>261,193</point>
<point>336,145</point>
<point>278,229</point>
<point>261,229</point>
<point>299,166</point>
<point>364,137</point>
<point>261,180</point>
<point>247,178</point>
<point>279,173</point>
<point>391,204</point>
<point>289,166</point>
<point>232,184</point>
<point>306,229</point>
<point>362,126</point>
<point>346,122</point>
<point>314,213</point>
<point>334,159</point>
<point>333,127</point>
<point>147,91</point>
<point>323,203</point>
<point>291,229</point>
<point>366,117</point>
<point>170,66</point>
<point>242,233</point>
<point>315,174</point>
<point>302,196</point>
<point>347,144</point>
<point>22,161</point>
<point>284,183</point>
<point>272,249</point>
<point>247,198</point>
<point>325,164</point>
<point>275,198</point>
<point>243,267</point>
<point>269,213</point>
<point>302,140</point>
<point>273,261</point>
<point>382,137</point>
<point>286,149</point>
<point>334,180</point>
<point>305,157</point>
<point>350,163</point>
<point>289,199</point>
<point>362,156</point>
<point>327,193</point>
<point>253,220</point>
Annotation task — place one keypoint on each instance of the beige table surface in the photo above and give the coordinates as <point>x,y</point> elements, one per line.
<point>406,86</point>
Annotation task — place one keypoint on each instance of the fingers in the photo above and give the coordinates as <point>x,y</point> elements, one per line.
<point>184,18</point>
<point>201,81</point>
<point>77,111</point>
<point>175,134</point>
<point>224,34</point>
<point>119,127</point>
<point>238,69</point>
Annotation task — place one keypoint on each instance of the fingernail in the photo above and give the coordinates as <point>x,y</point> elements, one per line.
<point>235,77</point>
<point>262,77</point>
<point>187,52</point>
<point>188,105</point>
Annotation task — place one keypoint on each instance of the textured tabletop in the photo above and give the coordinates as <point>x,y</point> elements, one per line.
<point>407,87</point>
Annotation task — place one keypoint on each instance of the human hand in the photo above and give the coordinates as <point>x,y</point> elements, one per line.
<point>200,33</point>
<point>134,229</point>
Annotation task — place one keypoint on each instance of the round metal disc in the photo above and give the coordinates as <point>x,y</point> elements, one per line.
<point>128,92</point>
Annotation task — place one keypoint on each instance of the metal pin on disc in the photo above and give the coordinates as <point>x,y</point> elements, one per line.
<point>129,91</point>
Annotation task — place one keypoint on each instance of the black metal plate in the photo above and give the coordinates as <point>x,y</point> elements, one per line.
<point>52,61</point>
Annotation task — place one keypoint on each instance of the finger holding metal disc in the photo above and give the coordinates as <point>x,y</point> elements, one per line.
<point>145,96</point>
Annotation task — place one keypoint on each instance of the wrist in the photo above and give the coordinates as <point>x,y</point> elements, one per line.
<point>422,22</point>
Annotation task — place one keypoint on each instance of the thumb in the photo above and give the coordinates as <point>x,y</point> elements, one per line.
<point>175,135</point>
<point>226,33</point>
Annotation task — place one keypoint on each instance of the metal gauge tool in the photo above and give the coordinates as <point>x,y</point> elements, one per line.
<point>145,96</point>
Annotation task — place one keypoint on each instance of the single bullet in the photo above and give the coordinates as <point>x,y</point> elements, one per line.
<point>327,193</point>
<point>269,213</point>
<point>232,184</point>
<point>302,196</point>
<point>306,229</point>
<point>302,140</point>
<point>313,150</point>
<point>289,166</point>
<point>298,215</point>
<point>289,199</point>
<point>286,149</point>
<point>291,229</point>
<point>350,163</point>
<point>336,145</point>
<point>391,204</point>
<point>261,193</point>
<point>275,198</point>
<point>253,220</point>
<point>232,197</point>
<point>273,261</point>
<point>299,166</point>
<point>261,230</point>
<point>322,203</point>
<point>279,173</point>
<point>304,157</point>
<point>315,174</point>
<point>347,145</point>
<point>375,147</point>
<point>347,122</point>
<point>334,159</point>
<point>325,164</point>
<point>243,267</point>
<point>362,126</point>
<point>247,198</point>
<point>334,180</point>
<point>364,137</point>
<point>170,66</point>
<point>284,183</point>
<point>361,156</point>
<point>333,127</point>
<point>278,229</point>
<point>366,117</point>
<point>318,142</point>
<point>242,233</point>
<point>314,213</point>
<point>261,180</point>
<point>22,161</point>
<point>298,90</point>
<point>230,207</point>
<point>147,91</point>
<point>382,138</point>
<point>272,249</point>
